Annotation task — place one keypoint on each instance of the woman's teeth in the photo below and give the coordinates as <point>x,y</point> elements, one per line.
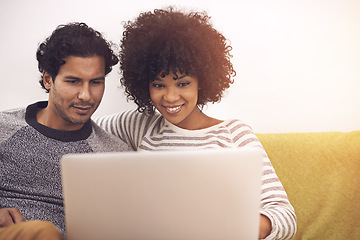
<point>173,109</point>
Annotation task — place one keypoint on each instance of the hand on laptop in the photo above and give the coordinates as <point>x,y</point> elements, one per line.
<point>265,227</point>
<point>9,216</point>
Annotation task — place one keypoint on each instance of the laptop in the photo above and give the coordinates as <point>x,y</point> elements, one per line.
<point>183,195</point>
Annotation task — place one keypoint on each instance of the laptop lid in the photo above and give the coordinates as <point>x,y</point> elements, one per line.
<point>187,195</point>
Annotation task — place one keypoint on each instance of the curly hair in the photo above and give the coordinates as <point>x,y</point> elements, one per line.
<point>73,39</point>
<point>168,39</point>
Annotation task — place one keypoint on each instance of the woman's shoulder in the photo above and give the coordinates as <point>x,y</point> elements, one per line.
<point>235,125</point>
<point>241,133</point>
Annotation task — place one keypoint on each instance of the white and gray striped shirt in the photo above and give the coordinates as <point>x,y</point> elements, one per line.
<point>154,133</point>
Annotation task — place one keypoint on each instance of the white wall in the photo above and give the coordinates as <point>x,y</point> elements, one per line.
<point>297,62</point>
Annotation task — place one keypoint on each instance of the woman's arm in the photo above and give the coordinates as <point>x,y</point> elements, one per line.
<point>277,214</point>
<point>130,126</point>
<point>265,227</point>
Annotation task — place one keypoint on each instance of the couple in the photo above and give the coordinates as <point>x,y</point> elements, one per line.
<point>171,61</point>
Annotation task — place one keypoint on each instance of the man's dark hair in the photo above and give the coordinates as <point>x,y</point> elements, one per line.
<point>73,39</point>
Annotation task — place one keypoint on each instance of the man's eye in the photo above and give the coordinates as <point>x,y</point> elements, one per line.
<point>97,82</point>
<point>71,81</point>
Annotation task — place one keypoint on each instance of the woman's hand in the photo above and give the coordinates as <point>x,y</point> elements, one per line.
<point>265,227</point>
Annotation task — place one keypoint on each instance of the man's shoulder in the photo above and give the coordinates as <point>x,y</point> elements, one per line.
<point>12,117</point>
<point>103,141</point>
<point>11,121</point>
<point>13,113</point>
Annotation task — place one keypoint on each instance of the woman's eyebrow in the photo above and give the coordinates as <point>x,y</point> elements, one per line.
<point>182,76</point>
<point>178,78</point>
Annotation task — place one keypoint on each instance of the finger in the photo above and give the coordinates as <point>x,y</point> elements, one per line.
<point>16,215</point>
<point>5,218</point>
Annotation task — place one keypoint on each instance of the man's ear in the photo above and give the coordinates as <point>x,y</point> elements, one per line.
<point>47,80</point>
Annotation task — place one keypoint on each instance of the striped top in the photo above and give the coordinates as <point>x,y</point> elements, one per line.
<point>154,133</point>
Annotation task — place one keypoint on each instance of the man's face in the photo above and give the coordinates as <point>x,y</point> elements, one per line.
<point>76,92</point>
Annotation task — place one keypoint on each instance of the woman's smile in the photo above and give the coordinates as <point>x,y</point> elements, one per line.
<point>173,109</point>
<point>175,96</point>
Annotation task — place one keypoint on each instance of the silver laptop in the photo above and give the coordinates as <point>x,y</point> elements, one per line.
<point>188,195</point>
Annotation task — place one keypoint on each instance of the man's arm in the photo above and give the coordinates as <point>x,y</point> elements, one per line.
<point>9,216</point>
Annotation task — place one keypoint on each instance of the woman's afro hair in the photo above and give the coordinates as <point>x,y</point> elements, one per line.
<point>168,39</point>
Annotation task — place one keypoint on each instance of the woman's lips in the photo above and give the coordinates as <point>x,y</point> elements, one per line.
<point>174,109</point>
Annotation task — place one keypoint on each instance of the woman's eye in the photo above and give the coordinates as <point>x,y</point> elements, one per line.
<point>184,84</point>
<point>156,85</point>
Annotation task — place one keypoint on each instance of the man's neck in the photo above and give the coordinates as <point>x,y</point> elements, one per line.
<point>42,117</point>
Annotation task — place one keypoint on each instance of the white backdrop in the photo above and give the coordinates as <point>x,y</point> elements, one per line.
<point>297,62</point>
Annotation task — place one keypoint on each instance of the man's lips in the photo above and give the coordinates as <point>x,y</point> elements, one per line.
<point>82,109</point>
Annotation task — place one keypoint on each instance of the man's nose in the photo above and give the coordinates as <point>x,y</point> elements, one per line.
<point>84,93</point>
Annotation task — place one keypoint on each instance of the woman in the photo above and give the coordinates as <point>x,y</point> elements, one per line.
<point>176,63</point>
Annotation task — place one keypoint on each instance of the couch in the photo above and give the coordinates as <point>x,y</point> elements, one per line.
<point>321,175</point>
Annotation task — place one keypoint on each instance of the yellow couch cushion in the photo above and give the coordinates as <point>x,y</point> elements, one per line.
<point>321,175</point>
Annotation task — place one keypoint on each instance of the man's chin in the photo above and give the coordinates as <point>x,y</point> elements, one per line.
<point>79,121</point>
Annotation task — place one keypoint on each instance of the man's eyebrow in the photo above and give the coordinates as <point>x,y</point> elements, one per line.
<point>77,78</point>
<point>72,77</point>
<point>99,78</point>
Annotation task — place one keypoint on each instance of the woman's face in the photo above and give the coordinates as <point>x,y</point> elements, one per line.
<point>175,96</point>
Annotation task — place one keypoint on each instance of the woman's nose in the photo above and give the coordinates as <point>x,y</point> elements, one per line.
<point>171,95</point>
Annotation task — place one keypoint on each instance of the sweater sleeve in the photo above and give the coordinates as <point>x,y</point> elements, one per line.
<point>130,126</point>
<point>274,201</point>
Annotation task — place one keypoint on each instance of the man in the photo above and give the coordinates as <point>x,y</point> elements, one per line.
<point>73,61</point>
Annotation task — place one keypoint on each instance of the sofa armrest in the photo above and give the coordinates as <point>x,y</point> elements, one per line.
<point>321,175</point>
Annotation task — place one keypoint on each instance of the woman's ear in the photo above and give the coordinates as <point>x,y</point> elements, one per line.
<point>47,80</point>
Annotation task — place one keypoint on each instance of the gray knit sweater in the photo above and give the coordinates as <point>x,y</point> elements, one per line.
<point>30,161</point>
